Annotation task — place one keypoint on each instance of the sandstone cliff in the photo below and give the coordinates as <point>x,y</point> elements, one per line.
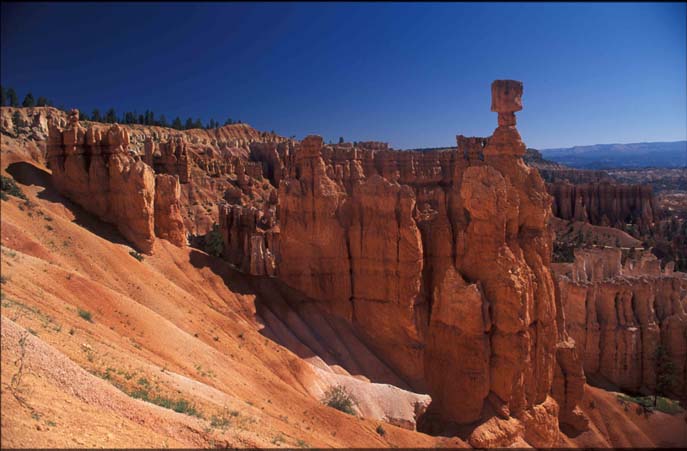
<point>93,167</point>
<point>605,203</point>
<point>619,314</point>
<point>441,259</point>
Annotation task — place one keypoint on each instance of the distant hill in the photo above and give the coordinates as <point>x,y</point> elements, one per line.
<point>635,155</point>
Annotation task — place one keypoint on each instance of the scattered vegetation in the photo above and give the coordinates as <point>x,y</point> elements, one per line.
<point>219,422</point>
<point>339,398</point>
<point>137,255</point>
<point>380,430</point>
<point>85,314</point>
<point>9,187</point>
<point>651,403</point>
<point>278,439</point>
<point>302,443</point>
<point>665,372</point>
<point>9,98</point>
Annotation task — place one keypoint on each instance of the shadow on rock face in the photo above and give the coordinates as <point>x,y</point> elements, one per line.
<point>28,174</point>
<point>300,325</point>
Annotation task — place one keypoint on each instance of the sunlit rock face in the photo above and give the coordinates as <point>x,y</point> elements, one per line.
<point>441,259</point>
<point>94,168</point>
<point>618,314</point>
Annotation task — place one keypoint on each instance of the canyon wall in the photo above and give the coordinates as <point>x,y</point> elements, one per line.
<point>619,314</point>
<point>605,203</point>
<point>94,168</point>
<point>441,259</point>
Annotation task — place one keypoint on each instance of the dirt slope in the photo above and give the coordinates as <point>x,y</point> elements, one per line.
<point>177,326</point>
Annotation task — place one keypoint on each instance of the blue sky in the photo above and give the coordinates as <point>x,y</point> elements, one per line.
<point>412,74</point>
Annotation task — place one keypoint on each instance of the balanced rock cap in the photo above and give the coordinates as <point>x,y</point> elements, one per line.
<point>506,96</point>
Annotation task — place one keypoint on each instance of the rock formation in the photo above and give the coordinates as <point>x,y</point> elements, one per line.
<point>251,238</point>
<point>440,258</point>
<point>618,314</point>
<point>605,203</point>
<point>94,168</point>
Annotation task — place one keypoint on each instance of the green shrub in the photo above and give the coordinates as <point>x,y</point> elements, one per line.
<point>663,404</point>
<point>85,314</point>
<point>219,422</point>
<point>137,255</point>
<point>213,243</point>
<point>380,430</point>
<point>9,186</point>
<point>339,398</point>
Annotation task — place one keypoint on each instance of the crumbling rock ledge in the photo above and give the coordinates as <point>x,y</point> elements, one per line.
<point>94,168</point>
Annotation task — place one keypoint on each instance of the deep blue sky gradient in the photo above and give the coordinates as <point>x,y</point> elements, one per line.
<point>412,74</point>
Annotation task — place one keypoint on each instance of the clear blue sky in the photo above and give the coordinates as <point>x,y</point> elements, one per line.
<point>414,75</point>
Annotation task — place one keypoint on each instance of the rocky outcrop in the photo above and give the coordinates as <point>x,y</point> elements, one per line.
<point>171,157</point>
<point>619,314</point>
<point>605,203</point>
<point>94,168</point>
<point>251,238</point>
<point>169,223</point>
<point>440,258</point>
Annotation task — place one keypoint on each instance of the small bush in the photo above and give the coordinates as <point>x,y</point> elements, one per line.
<point>663,404</point>
<point>380,430</point>
<point>339,398</point>
<point>9,186</point>
<point>85,314</point>
<point>213,243</point>
<point>219,422</point>
<point>137,255</point>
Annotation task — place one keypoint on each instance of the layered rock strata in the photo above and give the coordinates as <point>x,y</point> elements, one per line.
<point>94,168</point>
<point>251,238</point>
<point>619,314</point>
<point>605,203</point>
<point>440,258</point>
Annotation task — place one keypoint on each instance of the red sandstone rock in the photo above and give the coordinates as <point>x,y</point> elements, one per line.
<point>95,169</point>
<point>168,221</point>
<point>604,203</point>
<point>618,318</point>
<point>441,259</point>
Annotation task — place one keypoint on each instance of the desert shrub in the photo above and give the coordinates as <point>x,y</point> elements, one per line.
<point>219,422</point>
<point>137,255</point>
<point>9,186</point>
<point>380,430</point>
<point>213,243</point>
<point>339,398</point>
<point>85,314</point>
<point>662,404</point>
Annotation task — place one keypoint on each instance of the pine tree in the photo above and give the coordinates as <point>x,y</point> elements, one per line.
<point>2,96</point>
<point>42,101</point>
<point>198,124</point>
<point>341,140</point>
<point>665,372</point>
<point>16,118</point>
<point>28,101</point>
<point>12,99</point>
<point>95,116</point>
<point>228,122</point>
<point>111,116</point>
<point>189,124</point>
<point>176,124</point>
<point>82,115</point>
<point>163,121</point>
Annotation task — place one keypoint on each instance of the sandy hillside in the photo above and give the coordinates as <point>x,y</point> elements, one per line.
<point>178,328</point>
<point>180,350</point>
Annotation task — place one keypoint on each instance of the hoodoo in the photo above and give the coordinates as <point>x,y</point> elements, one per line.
<point>441,260</point>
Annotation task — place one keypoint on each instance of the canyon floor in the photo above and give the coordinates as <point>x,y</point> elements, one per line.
<point>181,350</point>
